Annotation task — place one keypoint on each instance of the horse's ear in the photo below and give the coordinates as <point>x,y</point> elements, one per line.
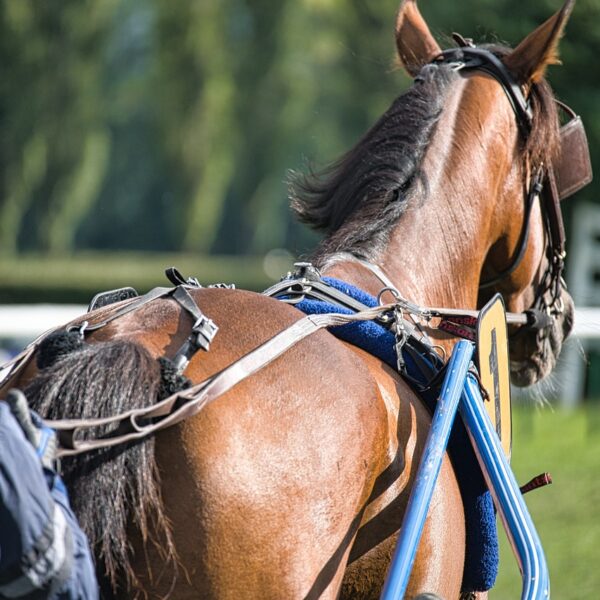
<point>528,61</point>
<point>416,46</point>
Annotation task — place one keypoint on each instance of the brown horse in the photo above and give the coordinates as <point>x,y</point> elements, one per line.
<point>294,483</point>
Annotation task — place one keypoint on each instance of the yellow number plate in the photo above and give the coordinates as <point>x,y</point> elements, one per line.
<point>492,356</point>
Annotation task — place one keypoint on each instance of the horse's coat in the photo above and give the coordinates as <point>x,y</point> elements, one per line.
<point>293,484</point>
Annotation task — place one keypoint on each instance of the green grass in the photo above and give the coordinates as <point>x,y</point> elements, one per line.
<point>76,278</point>
<point>566,513</point>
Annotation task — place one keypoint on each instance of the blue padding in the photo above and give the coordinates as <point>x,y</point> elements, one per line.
<point>25,505</point>
<point>481,557</point>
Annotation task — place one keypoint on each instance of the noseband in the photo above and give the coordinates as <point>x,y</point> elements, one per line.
<point>550,182</point>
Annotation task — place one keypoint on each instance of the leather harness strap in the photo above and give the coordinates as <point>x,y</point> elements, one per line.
<point>139,423</point>
<point>203,329</point>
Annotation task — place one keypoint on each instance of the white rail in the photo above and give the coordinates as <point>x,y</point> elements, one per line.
<point>27,321</point>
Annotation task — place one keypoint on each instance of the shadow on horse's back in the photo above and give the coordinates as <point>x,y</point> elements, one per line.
<point>293,484</point>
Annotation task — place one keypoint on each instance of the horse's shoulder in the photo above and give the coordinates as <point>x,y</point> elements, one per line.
<point>245,321</point>
<point>395,393</point>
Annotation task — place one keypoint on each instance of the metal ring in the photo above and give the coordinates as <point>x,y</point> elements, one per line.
<point>392,291</point>
<point>80,328</point>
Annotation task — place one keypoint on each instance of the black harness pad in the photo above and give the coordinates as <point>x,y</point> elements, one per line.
<point>111,296</point>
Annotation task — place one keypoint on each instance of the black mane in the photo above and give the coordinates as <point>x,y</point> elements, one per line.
<point>373,182</point>
<point>357,200</point>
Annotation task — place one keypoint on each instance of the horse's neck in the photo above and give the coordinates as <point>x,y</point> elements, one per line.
<point>422,262</point>
<point>436,252</point>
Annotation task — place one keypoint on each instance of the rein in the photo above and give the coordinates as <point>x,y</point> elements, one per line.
<point>456,321</point>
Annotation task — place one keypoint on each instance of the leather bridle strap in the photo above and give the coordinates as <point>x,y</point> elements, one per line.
<point>140,423</point>
<point>554,214</point>
<point>535,190</point>
<point>472,58</point>
<point>469,57</point>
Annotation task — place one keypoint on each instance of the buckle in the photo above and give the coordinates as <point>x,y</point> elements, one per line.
<point>205,330</point>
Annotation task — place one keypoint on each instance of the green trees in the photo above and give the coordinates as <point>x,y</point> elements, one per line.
<point>55,141</point>
<point>172,124</point>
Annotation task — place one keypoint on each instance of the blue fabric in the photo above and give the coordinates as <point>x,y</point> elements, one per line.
<point>28,494</point>
<point>481,559</point>
<point>82,583</point>
<point>25,505</point>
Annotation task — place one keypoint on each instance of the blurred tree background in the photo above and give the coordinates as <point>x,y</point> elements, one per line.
<point>172,125</point>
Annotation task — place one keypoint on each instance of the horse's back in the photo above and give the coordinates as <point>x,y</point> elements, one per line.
<point>303,466</point>
<point>266,486</point>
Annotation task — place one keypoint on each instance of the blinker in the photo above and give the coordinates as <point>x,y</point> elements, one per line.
<point>573,167</point>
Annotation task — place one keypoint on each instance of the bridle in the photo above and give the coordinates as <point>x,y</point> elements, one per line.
<point>550,183</point>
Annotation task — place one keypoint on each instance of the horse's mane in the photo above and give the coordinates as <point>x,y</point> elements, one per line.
<point>357,200</point>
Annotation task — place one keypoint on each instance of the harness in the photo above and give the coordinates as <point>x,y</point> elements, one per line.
<point>139,423</point>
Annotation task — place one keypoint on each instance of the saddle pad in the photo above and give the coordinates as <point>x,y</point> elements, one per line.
<point>481,556</point>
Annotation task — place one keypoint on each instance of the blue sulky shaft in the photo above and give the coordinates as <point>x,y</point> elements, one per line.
<point>429,468</point>
<point>459,385</point>
<point>506,494</point>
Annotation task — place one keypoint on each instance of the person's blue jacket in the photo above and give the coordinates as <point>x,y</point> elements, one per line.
<point>43,551</point>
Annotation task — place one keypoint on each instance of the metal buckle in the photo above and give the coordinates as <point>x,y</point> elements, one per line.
<point>205,330</point>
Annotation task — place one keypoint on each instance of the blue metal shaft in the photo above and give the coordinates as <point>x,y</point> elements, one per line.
<point>429,468</point>
<point>507,496</point>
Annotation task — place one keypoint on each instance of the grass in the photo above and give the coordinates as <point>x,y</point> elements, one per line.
<point>76,278</point>
<point>566,513</point>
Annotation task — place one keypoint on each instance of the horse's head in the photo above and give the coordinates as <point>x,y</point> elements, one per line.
<point>524,243</point>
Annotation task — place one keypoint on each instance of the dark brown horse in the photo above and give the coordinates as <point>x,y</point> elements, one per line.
<point>294,483</point>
